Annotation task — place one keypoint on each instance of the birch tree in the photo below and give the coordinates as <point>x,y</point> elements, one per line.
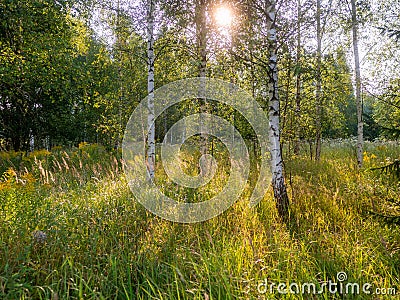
<point>318,96</point>
<point>150,89</point>
<point>360,125</point>
<point>201,36</point>
<point>190,34</point>
<point>298,80</point>
<point>259,51</point>
<point>278,179</point>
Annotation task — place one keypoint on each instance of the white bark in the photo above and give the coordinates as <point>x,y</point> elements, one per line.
<point>119,44</point>
<point>150,89</point>
<point>360,125</point>
<point>201,28</point>
<point>318,96</point>
<point>298,82</point>
<point>278,180</point>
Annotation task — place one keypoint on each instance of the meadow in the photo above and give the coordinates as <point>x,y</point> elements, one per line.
<point>101,244</point>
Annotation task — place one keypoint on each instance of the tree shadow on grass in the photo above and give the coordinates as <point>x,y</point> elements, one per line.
<point>327,220</point>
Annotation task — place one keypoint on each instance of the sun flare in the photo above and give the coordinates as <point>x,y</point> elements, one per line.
<point>223,16</point>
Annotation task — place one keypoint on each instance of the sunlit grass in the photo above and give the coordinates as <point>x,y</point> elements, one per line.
<point>101,244</point>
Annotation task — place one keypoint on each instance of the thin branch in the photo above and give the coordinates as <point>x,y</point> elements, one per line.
<point>384,100</point>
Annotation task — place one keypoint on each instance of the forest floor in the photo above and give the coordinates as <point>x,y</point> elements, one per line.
<point>69,229</point>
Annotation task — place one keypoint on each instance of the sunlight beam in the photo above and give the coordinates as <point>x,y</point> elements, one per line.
<point>223,16</point>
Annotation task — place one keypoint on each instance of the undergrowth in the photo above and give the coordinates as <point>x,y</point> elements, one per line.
<point>101,244</point>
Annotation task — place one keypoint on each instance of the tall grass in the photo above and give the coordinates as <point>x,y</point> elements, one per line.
<point>102,244</point>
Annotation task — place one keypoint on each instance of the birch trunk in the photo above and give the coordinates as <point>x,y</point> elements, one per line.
<point>202,52</point>
<point>150,89</point>
<point>298,82</point>
<point>278,180</point>
<point>360,125</point>
<point>119,46</point>
<point>318,98</point>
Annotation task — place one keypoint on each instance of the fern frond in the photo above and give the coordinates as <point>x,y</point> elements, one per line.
<point>391,169</point>
<point>390,220</point>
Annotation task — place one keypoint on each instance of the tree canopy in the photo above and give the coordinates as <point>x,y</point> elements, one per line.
<point>72,71</point>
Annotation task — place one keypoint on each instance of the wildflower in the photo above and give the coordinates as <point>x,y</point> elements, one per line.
<point>39,237</point>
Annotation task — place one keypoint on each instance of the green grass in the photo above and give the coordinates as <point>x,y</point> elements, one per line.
<point>101,244</point>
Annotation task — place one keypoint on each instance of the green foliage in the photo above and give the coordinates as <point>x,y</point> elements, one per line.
<point>386,110</point>
<point>58,84</point>
<point>337,99</point>
<point>76,166</point>
<point>390,214</point>
<point>42,44</point>
<point>390,220</point>
<point>101,244</point>
<point>392,205</point>
<point>392,169</point>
